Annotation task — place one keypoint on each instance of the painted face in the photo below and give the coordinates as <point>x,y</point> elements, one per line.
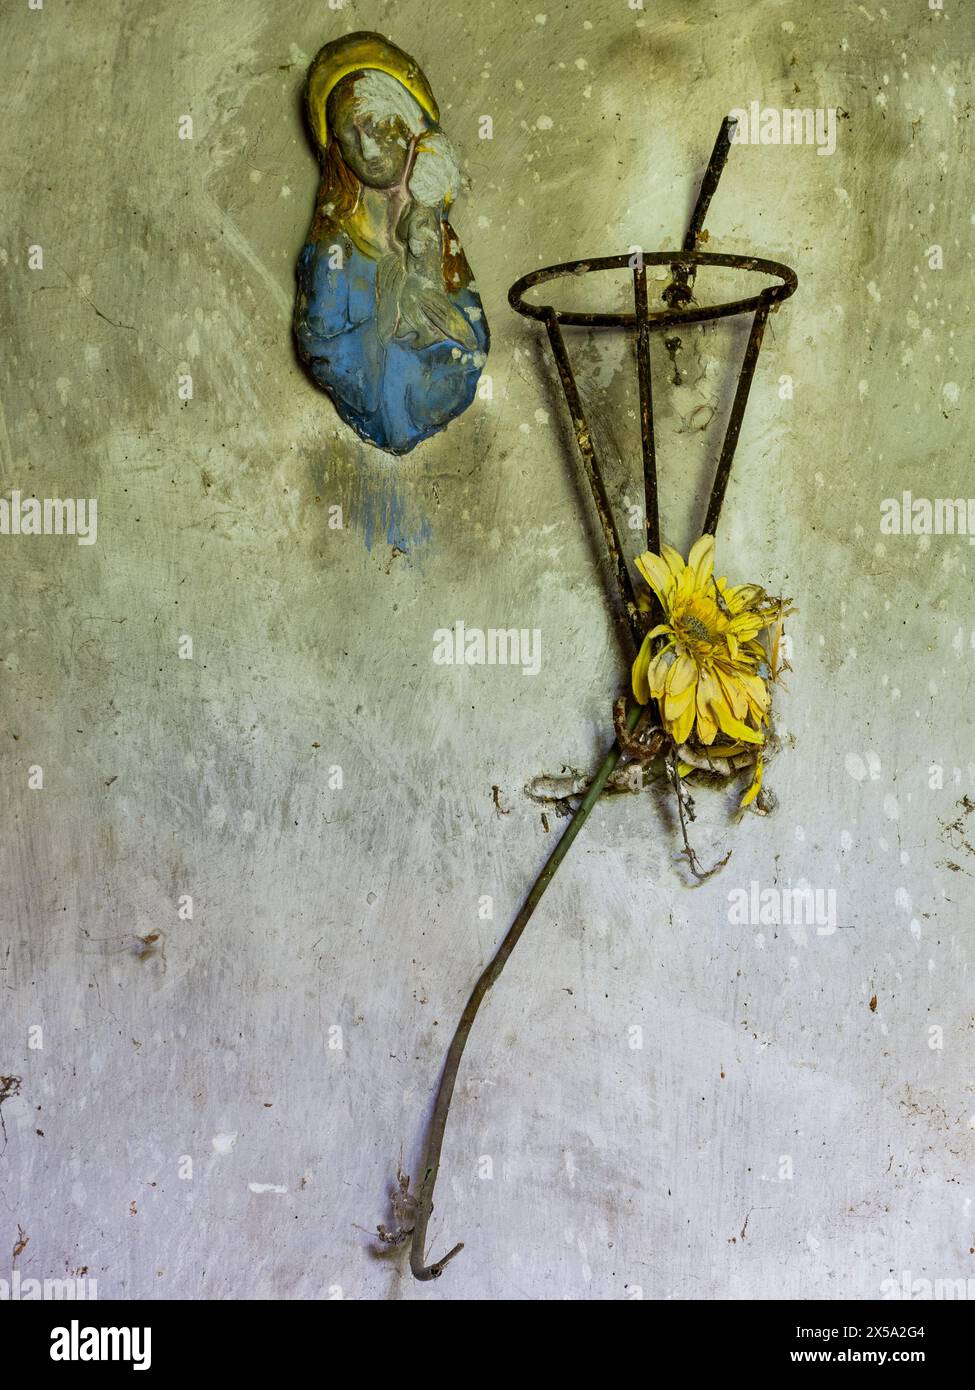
<point>375,119</point>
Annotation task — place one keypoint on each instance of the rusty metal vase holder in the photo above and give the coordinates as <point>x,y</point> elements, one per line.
<point>679,312</point>
<point>414,1212</point>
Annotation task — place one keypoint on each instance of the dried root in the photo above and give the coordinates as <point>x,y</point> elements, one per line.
<point>685,810</point>
<point>404,1213</point>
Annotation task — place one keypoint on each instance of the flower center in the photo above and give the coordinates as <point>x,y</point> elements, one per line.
<point>697,629</point>
<point>700,626</point>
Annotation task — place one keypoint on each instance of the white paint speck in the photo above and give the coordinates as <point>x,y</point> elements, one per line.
<point>855,766</point>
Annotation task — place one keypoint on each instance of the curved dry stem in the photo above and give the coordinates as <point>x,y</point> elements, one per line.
<point>445,1091</point>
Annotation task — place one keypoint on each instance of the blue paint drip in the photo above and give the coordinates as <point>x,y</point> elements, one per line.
<point>387,514</point>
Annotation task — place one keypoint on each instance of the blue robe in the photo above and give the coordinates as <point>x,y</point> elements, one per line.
<point>393,394</point>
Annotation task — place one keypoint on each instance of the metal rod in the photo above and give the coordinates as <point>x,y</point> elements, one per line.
<point>723,471</point>
<point>652,511</point>
<point>679,291</point>
<point>719,157</point>
<point>583,433</point>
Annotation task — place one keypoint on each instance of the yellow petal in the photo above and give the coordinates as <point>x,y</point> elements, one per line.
<point>657,672</point>
<point>701,560</point>
<point>775,634</point>
<point>708,686</point>
<point>756,689</point>
<point>747,626</point>
<point>681,727</point>
<point>707,727</point>
<point>674,559</point>
<point>711,705</point>
<point>732,690</point>
<point>755,786</point>
<point>736,729</point>
<point>682,674</point>
<point>641,690</point>
<point>675,705</point>
<point>743,596</point>
<point>657,573</point>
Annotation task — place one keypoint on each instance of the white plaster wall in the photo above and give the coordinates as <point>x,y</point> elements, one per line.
<point>615,1168</point>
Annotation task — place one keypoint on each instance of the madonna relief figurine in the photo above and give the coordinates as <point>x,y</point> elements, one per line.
<point>387,319</point>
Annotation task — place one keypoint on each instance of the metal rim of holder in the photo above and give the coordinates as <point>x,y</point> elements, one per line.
<point>684,264</point>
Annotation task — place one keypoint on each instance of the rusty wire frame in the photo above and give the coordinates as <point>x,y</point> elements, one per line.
<point>680,310</point>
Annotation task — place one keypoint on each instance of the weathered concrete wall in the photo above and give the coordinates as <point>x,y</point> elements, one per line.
<point>777,1133</point>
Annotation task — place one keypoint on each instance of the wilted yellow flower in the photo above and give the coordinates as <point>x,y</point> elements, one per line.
<point>708,675</point>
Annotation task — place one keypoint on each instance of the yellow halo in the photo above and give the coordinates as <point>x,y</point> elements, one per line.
<point>354,53</point>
